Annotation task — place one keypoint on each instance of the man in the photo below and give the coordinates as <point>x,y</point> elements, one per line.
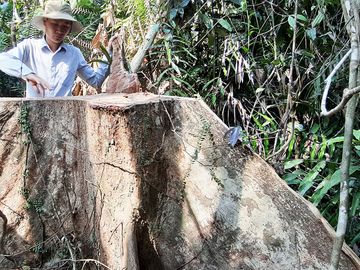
<point>48,65</point>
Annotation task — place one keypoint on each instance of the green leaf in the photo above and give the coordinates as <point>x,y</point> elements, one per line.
<point>168,51</point>
<point>176,68</point>
<point>315,128</point>
<point>308,180</point>
<point>302,18</point>
<point>322,148</point>
<point>291,21</point>
<point>206,20</point>
<point>224,23</point>
<point>259,90</point>
<point>213,99</point>
<point>327,184</point>
<point>355,204</point>
<point>184,3</point>
<point>292,163</point>
<point>335,140</point>
<point>314,147</point>
<point>311,33</point>
<point>291,146</point>
<point>257,122</point>
<point>183,83</point>
<point>355,239</point>
<point>294,178</point>
<point>173,13</point>
<point>209,83</point>
<point>238,2</point>
<point>318,19</point>
<point>356,134</point>
<point>269,120</point>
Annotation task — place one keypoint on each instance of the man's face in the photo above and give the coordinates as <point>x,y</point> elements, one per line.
<point>56,30</point>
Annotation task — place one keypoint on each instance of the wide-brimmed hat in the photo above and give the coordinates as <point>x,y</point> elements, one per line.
<point>57,10</point>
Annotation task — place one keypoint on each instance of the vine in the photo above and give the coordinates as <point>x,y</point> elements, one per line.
<point>204,133</point>
<point>26,131</point>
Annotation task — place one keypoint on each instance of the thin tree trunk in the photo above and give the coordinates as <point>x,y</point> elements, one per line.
<point>140,55</point>
<point>13,25</point>
<point>350,11</point>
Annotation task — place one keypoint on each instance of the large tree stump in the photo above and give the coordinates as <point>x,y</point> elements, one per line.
<point>145,182</point>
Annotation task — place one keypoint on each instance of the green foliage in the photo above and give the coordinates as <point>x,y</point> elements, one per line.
<point>316,175</point>
<point>39,248</point>
<point>36,204</point>
<point>140,10</point>
<point>24,121</point>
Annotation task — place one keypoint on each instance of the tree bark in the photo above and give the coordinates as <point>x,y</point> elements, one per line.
<point>351,11</point>
<point>140,181</point>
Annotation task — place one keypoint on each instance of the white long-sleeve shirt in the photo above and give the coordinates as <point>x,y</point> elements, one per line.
<point>58,68</point>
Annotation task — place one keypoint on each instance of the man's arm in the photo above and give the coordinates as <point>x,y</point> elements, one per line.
<point>12,63</point>
<point>93,77</point>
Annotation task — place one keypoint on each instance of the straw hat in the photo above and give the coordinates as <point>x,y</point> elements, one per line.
<point>57,10</point>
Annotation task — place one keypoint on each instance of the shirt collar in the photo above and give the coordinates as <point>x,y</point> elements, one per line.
<point>44,44</point>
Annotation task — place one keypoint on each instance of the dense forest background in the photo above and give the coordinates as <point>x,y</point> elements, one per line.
<point>260,65</point>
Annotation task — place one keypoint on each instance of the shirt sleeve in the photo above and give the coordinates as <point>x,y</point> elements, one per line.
<point>12,61</point>
<point>94,77</point>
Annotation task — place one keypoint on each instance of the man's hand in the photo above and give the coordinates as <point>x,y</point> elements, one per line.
<point>37,83</point>
<point>109,47</point>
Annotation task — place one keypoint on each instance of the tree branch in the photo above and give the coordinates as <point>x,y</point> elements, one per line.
<point>348,94</point>
<point>324,111</point>
<point>139,56</point>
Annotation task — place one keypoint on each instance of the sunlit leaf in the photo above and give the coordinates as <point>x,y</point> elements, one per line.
<point>224,23</point>
<point>335,140</point>
<point>292,163</point>
<point>173,13</point>
<point>176,68</point>
<point>318,19</point>
<point>311,33</point>
<point>308,180</point>
<point>184,3</point>
<point>292,21</point>
<point>356,133</point>
<point>302,18</point>
<point>238,2</point>
<point>327,184</point>
<point>213,99</point>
